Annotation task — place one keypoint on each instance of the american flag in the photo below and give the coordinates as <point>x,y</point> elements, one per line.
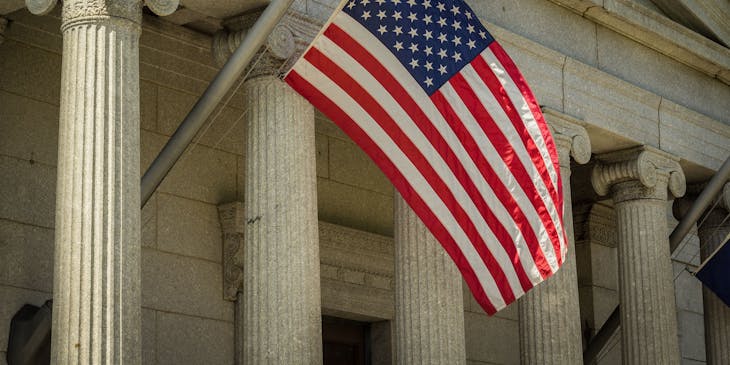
<point>426,92</point>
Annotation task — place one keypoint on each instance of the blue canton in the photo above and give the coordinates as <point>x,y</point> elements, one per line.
<point>432,39</point>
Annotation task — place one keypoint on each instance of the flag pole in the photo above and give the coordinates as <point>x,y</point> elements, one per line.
<point>215,92</point>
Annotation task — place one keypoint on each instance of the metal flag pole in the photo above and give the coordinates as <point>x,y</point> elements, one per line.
<point>215,92</point>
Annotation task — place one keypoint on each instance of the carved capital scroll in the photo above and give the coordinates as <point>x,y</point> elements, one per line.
<point>571,137</point>
<point>638,173</point>
<point>232,220</point>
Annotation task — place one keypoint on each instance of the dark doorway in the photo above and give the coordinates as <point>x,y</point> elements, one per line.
<point>345,342</point>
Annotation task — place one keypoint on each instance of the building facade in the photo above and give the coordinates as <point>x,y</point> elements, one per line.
<point>275,240</point>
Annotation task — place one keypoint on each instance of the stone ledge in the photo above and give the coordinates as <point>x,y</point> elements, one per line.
<point>656,32</point>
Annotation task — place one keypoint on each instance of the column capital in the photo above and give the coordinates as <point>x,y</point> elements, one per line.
<point>233,225</point>
<point>570,135</point>
<point>284,45</point>
<point>641,172</point>
<point>80,11</point>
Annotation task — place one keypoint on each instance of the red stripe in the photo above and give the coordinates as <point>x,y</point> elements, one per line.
<point>507,153</point>
<point>500,94</point>
<point>521,84</point>
<point>490,175</point>
<point>400,95</point>
<point>405,144</point>
<point>343,120</point>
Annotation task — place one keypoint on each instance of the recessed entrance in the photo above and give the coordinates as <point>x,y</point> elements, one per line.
<point>345,342</point>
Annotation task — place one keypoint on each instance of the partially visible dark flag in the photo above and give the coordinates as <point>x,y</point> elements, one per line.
<point>715,272</point>
<point>426,92</point>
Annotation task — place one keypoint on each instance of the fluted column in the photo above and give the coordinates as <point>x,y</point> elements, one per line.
<point>712,233</point>
<point>550,313</point>
<point>96,301</point>
<point>639,180</point>
<point>429,308</point>
<point>281,289</point>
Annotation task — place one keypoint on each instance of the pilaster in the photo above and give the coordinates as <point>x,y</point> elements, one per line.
<point>429,308</point>
<point>553,306</point>
<point>281,291</point>
<point>640,180</point>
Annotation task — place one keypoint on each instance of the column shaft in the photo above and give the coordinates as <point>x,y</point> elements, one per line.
<point>646,285</point>
<point>717,314</point>
<point>281,290</point>
<point>550,313</point>
<point>428,298</point>
<point>96,314</point>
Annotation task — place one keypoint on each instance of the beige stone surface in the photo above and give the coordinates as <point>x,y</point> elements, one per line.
<point>188,228</point>
<point>348,164</point>
<point>487,339</point>
<point>33,144</point>
<point>183,339</point>
<point>26,253</point>
<point>185,285</point>
<point>24,67</point>
<point>354,207</point>
<point>30,195</point>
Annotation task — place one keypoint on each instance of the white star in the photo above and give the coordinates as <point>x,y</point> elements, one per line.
<point>471,44</point>
<point>397,16</point>
<point>442,53</point>
<point>428,51</point>
<point>429,81</point>
<point>413,47</point>
<point>366,15</point>
<point>483,34</point>
<point>427,19</point>
<point>456,56</point>
<point>413,33</point>
<point>396,2</point>
<point>470,28</point>
<point>456,25</point>
<point>455,10</point>
<point>351,5</point>
<point>398,45</point>
<point>468,15</point>
<point>428,35</point>
<point>412,17</point>
<point>411,2</point>
<point>365,2</point>
<point>380,2</point>
<point>398,30</point>
<point>413,63</point>
<point>442,69</point>
<point>426,4</point>
<point>442,37</point>
<point>456,40</point>
<point>381,15</point>
<point>382,29</point>
<point>429,66</point>
<point>441,21</point>
<point>441,7</point>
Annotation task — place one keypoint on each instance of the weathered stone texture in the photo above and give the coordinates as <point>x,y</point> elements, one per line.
<point>429,319</point>
<point>281,254</point>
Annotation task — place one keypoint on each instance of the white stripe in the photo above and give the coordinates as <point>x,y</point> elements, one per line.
<point>410,129</point>
<point>489,152</point>
<point>520,104</point>
<point>508,130</point>
<point>402,76</point>
<point>417,181</point>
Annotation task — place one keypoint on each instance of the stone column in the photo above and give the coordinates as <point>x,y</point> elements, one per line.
<point>429,308</point>
<point>96,301</point>
<point>712,234</point>
<point>281,289</point>
<point>550,313</point>
<point>639,180</point>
